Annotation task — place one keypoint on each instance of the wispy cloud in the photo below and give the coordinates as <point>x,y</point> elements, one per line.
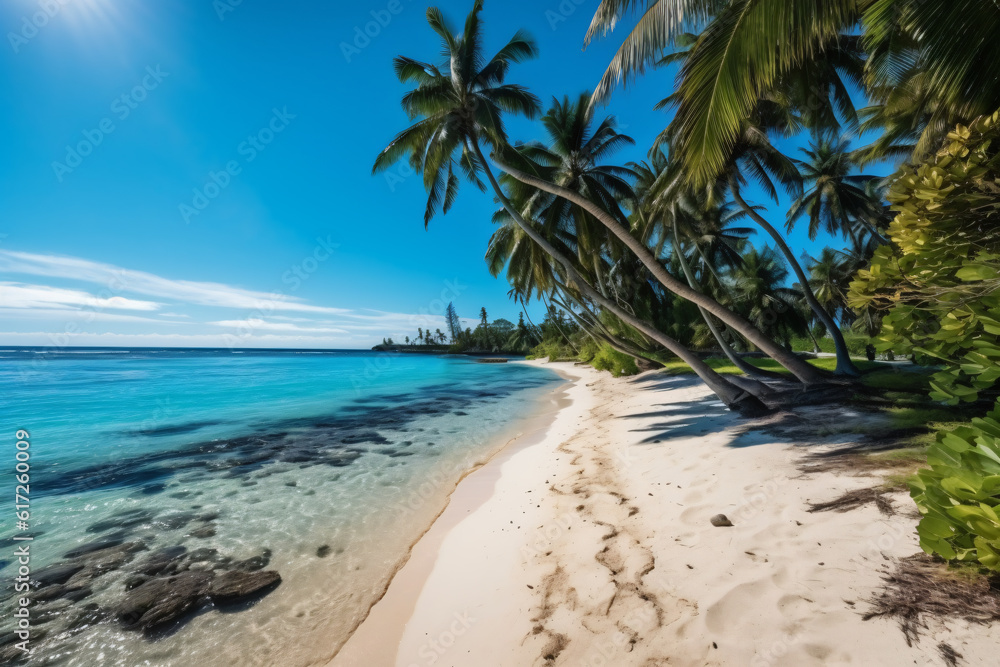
<point>104,304</point>
<point>63,316</point>
<point>20,295</point>
<point>117,279</point>
<point>113,339</point>
<point>252,323</point>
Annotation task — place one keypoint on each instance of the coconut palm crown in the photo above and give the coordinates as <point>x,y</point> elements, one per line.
<point>457,104</point>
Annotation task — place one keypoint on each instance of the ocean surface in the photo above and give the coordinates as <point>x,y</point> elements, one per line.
<point>322,466</point>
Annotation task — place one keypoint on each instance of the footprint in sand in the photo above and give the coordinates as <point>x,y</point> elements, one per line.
<point>693,497</point>
<point>729,613</point>
<point>695,516</point>
<point>796,607</point>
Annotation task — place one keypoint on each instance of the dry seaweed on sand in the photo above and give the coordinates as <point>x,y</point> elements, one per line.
<point>861,463</point>
<point>921,587</point>
<point>859,498</point>
<point>949,655</point>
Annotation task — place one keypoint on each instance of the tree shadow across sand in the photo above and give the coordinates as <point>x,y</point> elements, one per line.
<point>683,419</point>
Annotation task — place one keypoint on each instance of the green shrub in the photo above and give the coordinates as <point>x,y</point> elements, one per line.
<point>938,286</point>
<point>618,364</point>
<point>589,350</point>
<point>938,282</point>
<point>912,379</point>
<point>959,495</point>
<point>552,350</point>
<point>856,344</point>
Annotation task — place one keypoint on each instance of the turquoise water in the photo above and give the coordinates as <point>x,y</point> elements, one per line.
<point>324,465</point>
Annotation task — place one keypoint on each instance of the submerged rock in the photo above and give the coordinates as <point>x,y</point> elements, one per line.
<point>234,586</point>
<point>254,563</point>
<point>208,530</point>
<point>721,521</point>
<point>127,519</point>
<point>56,592</point>
<point>111,558</point>
<point>162,600</point>
<point>203,554</point>
<point>174,521</point>
<point>78,594</point>
<point>50,612</point>
<point>58,573</point>
<point>136,580</point>
<point>96,545</point>
<point>162,561</point>
<point>90,614</point>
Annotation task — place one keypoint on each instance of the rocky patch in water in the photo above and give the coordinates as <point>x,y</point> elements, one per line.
<point>334,440</point>
<point>161,587</point>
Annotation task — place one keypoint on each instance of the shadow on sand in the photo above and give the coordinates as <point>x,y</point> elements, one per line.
<point>803,426</point>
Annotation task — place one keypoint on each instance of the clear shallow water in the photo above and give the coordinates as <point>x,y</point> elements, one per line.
<point>327,465</point>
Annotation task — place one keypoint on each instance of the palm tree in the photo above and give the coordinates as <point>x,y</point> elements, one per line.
<point>531,271</point>
<point>663,216</point>
<point>572,159</point>
<point>736,62</point>
<point>727,349</point>
<point>837,200</point>
<point>459,104</point>
<point>756,156</point>
<point>523,338</point>
<point>756,287</point>
<point>830,277</point>
<point>750,153</point>
<point>526,171</point>
<point>485,339</point>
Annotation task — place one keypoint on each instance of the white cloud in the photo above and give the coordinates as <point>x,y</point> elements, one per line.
<point>20,295</point>
<point>93,310</point>
<point>115,279</point>
<point>48,339</point>
<point>63,316</point>
<point>253,324</point>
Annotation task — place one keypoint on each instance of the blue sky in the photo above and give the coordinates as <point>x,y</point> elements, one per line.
<point>222,194</point>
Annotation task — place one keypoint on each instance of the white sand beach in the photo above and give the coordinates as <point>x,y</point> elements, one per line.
<point>588,541</point>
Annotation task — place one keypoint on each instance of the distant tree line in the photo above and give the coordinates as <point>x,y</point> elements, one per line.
<point>499,336</point>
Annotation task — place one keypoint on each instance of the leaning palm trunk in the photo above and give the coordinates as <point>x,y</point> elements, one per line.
<point>601,335</point>
<point>805,372</point>
<point>528,317</point>
<point>559,328</point>
<point>844,364</point>
<point>733,397</point>
<point>595,329</point>
<point>727,349</point>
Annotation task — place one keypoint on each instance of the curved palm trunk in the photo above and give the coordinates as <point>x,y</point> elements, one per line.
<point>601,335</point>
<point>844,364</point>
<point>528,317</point>
<point>805,372</point>
<point>733,397</point>
<point>594,322</point>
<point>727,349</point>
<point>559,328</point>
<point>812,336</point>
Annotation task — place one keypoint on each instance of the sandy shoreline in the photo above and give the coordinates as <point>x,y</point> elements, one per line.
<point>589,543</point>
<point>375,642</point>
